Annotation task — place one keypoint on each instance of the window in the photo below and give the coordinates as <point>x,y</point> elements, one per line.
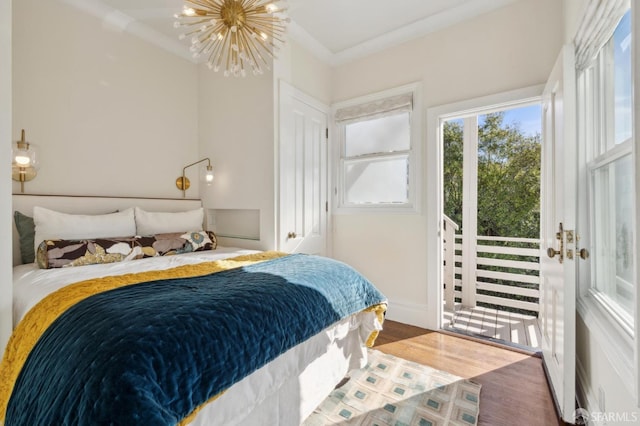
<point>606,98</point>
<point>378,143</point>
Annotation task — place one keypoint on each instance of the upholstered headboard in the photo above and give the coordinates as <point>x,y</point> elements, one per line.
<point>92,205</point>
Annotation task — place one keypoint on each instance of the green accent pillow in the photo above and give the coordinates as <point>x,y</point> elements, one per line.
<point>26,230</point>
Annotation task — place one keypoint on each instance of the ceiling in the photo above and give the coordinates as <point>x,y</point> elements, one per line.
<point>337,31</point>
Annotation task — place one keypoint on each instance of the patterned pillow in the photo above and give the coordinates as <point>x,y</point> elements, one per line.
<point>67,253</point>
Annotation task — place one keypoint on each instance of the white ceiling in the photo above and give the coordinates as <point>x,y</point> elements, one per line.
<point>337,31</point>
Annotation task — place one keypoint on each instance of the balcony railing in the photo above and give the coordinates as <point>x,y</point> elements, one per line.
<point>503,272</point>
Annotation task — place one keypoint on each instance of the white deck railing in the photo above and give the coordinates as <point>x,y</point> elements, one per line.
<point>506,268</point>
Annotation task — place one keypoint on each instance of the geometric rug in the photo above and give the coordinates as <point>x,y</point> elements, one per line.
<point>396,392</point>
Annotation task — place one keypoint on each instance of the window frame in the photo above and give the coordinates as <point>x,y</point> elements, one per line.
<point>413,204</point>
<point>618,341</point>
<point>596,98</point>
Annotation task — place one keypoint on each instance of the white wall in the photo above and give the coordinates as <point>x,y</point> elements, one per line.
<point>301,69</point>
<point>507,49</point>
<point>112,114</point>
<point>5,173</point>
<point>236,131</point>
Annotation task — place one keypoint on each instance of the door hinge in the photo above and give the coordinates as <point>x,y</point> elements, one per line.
<point>326,206</point>
<point>327,132</point>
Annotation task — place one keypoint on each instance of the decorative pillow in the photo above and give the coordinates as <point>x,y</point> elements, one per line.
<point>152,223</point>
<point>67,253</point>
<point>26,233</point>
<point>55,225</point>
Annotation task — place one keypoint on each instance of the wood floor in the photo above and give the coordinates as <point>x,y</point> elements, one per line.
<point>514,386</point>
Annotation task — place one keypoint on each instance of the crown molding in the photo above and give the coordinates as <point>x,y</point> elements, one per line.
<point>118,21</point>
<point>394,38</point>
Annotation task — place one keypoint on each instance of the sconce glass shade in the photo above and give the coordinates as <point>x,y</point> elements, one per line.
<point>206,174</point>
<point>24,161</point>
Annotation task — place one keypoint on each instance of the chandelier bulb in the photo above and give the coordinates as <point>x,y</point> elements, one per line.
<point>233,28</point>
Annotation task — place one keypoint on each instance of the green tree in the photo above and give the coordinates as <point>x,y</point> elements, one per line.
<point>452,170</point>
<point>508,178</point>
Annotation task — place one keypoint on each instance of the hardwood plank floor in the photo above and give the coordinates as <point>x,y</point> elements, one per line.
<point>514,386</point>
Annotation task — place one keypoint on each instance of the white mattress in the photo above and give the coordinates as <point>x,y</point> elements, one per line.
<point>283,392</point>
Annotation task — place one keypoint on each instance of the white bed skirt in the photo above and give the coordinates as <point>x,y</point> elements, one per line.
<point>288,389</point>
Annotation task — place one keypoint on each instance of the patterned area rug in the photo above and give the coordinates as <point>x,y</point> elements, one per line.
<point>396,392</point>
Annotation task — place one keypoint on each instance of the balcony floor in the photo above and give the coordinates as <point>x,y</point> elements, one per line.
<point>510,327</point>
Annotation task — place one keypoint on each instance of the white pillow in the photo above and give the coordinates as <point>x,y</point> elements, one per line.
<point>151,223</point>
<point>55,225</point>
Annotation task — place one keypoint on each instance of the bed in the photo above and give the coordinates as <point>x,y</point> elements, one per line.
<point>292,337</point>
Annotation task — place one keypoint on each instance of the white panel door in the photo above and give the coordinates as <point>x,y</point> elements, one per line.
<point>558,220</point>
<point>303,173</point>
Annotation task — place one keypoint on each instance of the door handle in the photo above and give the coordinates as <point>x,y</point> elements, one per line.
<point>291,235</point>
<point>583,253</point>
<point>551,252</point>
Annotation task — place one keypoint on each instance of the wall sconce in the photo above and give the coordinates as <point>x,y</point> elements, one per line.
<point>24,163</point>
<point>206,175</point>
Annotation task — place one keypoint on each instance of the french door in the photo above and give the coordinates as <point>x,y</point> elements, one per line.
<point>558,232</point>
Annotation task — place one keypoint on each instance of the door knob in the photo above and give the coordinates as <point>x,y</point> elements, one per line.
<point>583,253</point>
<point>292,235</point>
<point>551,252</point>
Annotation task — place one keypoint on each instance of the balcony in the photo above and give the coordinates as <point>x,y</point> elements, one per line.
<point>491,286</point>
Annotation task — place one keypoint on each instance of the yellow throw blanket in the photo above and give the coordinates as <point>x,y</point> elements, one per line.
<point>40,317</point>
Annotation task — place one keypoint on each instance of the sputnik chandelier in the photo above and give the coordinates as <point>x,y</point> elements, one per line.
<point>233,35</point>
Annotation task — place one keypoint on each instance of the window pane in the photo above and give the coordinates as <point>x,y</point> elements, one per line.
<point>381,180</point>
<point>622,79</point>
<point>613,231</point>
<point>384,134</point>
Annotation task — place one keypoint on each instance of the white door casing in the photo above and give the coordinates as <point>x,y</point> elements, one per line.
<point>303,173</point>
<point>557,231</point>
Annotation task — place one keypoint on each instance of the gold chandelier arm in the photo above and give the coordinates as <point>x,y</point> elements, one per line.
<point>236,35</point>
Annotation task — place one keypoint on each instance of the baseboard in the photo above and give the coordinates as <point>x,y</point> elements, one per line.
<point>408,313</point>
<point>585,397</point>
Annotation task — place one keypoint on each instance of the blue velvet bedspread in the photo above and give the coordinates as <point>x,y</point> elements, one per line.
<point>151,353</point>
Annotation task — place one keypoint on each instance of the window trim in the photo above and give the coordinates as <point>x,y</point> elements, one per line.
<point>414,153</point>
<point>596,114</point>
<point>617,341</point>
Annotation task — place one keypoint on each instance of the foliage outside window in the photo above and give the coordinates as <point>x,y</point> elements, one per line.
<point>377,163</point>
<point>508,177</point>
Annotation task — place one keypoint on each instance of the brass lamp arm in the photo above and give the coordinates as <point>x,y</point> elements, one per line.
<point>182,182</point>
<point>193,164</point>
